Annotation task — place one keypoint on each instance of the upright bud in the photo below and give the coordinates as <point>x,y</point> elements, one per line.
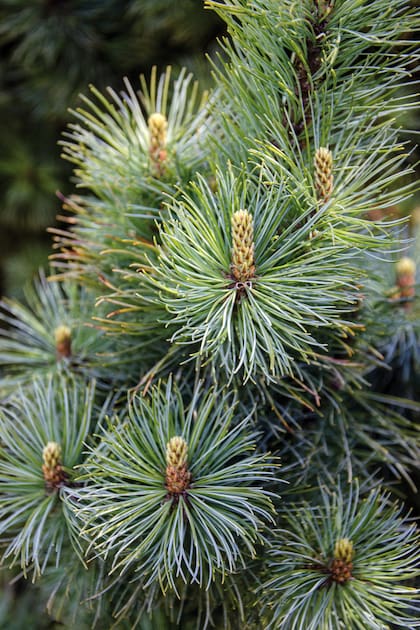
<point>323,174</point>
<point>158,126</point>
<point>405,270</point>
<point>62,335</point>
<point>342,563</point>
<point>178,477</point>
<point>54,474</point>
<point>176,452</point>
<point>243,263</point>
<point>344,550</point>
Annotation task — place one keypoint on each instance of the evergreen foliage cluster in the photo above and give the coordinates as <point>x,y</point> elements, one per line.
<point>208,403</point>
<point>50,51</point>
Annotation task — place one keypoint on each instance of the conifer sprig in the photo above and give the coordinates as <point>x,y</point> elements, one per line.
<point>233,239</point>
<point>302,69</point>
<point>43,430</point>
<point>126,176</point>
<point>391,312</point>
<point>53,332</point>
<point>175,493</point>
<point>113,141</point>
<point>250,307</point>
<point>129,150</point>
<point>295,90</point>
<point>345,563</point>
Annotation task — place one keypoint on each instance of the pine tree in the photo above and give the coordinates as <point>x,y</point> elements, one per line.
<point>209,412</point>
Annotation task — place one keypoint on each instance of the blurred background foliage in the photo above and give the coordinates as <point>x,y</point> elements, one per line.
<point>50,51</point>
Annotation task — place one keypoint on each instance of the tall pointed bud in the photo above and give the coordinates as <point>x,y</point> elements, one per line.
<point>62,336</point>
<point>243,248</point>
<point>323,174</point>
<point>176,452</point>
<point>178,477</point>
<point>405,271</point>
<point>344,550</point>
<point>342,563</point>
<point>52,468</point>
<point>158,127</point>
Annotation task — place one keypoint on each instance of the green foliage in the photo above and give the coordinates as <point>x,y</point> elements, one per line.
<point>260,325</point>
<point>237,248</point>
<point>28,337</point>
<point>202,531</point>
<point>304,589</point>
<point>49,53</point>
<point>36,520</point>
<point>115,160</point>
<point>114,149</point>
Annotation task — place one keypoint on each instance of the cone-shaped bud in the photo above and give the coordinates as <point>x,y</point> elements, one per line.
<point>54,474</point>
<point>342,564</point>
<point>406,277</point>
<point>323,174</point>
<point>51,455</point>
<point>158,126</point>
<point>62,335</point>
<point>344,550</point>
<point>405,267</point>
<point>178,477</point>
<point>176,452</point>
<point>243,263</point>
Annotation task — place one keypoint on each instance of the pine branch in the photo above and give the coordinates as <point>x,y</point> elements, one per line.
<point>53,334</point>
<point>343,563</point>
<point>43,430</point>
<point>190,505</point>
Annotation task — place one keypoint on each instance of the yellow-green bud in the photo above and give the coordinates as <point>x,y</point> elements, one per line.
<point>62,335</point>
<point>51,455</point>
<point>54,475</point>
<point>344,550</point>
<point>406,278</point>
<point>243,248</point>
<point>323,174</point>
<point>341,566</point>
<point>176,452</point>
<point>158,126</point>
<point>178,477</point>
<point>405,266</point>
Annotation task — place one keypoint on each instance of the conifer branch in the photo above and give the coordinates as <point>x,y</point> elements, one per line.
<point>348,565</point>
<point>43,430</point>
<point>170,518</point>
